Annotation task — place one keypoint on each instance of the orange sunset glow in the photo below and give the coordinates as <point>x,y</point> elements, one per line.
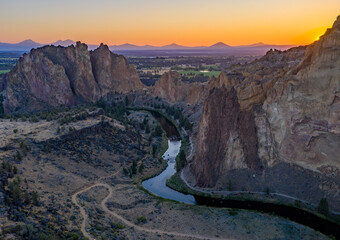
<point>190,23</point>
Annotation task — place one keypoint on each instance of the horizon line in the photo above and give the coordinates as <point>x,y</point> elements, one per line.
<point>150,45</point>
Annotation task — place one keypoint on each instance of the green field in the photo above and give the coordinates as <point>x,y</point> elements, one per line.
<point>4,71</point>
<point>189,73</point>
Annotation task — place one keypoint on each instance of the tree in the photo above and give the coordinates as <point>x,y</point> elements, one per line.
<point>134,167</point>
<point>35,198</point>
<point>26,198</point>
<point>323,207</point>
<point>181,161</point>
<point>141,167</point>
<point>126,100</point>
<point>267,191</point>
<point>2,110</point>
<point>230,185</point>
<point>158,131</point>
<point>154,150</point>
<point>47,147</point>
<point>15,191</point>
<point>18,156</point>
<point>147,128</point>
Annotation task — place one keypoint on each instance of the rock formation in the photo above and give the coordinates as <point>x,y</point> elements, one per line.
<point>55,76</point>
<point>282,113</point>
<point>113,73</point>
<point>171,88</point>
<point>303,109</point>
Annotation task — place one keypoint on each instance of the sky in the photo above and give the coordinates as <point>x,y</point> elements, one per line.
<point>160,22</point>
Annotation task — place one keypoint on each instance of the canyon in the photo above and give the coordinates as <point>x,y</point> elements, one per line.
<point>273,122</point>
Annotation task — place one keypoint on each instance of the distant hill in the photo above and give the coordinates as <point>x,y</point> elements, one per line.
<point>21,46</point>
<point>218,48</point>
<point>219,45</point>
<point>64,43</point>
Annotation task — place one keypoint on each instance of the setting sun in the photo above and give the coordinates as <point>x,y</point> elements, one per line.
<point>318,37</point>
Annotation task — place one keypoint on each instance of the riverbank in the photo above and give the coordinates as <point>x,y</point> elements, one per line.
<point>298,211</point>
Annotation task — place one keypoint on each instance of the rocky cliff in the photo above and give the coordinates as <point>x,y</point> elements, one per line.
<point>281,116</point>
<point>171,88</point>
<point>55,76</point>
<point>113,73</point>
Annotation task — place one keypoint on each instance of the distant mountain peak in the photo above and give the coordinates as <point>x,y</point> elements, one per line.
<point>257,44</point>
<point>28,42</point>
<point>64,43</point>
<point>219,45</point>
<point>172,46</point>
<point>128,45</point>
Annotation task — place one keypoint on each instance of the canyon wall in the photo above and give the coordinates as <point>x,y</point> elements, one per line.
<point>171,88</point>
<point>281,118</point>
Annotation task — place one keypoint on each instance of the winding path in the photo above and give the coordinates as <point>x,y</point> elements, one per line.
<point>122,219</point>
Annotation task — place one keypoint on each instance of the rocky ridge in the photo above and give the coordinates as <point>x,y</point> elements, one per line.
<point>284,110</point>
<point>54,76</point>
<point>171,88</point>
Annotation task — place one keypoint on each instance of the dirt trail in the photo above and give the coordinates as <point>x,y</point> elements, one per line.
<point>122,219</point>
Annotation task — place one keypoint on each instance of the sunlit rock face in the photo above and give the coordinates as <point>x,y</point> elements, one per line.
<point>285,111</point>
<point>113,73</point>
<point>54,76</point>
<point>303,109</point>
<point>171,88</point>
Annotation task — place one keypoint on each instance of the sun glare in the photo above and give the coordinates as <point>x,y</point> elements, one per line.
<point>318,37</point>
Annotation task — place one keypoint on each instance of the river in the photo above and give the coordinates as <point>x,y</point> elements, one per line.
<point>157,185</point>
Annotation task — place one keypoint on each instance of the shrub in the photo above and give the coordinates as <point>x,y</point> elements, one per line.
<point>141,219</point>
<point>117,226</point>
<point>233,212</point>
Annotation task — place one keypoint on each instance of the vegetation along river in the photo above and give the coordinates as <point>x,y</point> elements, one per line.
<point>157,185</point>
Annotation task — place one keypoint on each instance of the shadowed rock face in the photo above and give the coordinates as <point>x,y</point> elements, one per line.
<point>285,109</point>
<point>226,134</point>
<point>55,76</point>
